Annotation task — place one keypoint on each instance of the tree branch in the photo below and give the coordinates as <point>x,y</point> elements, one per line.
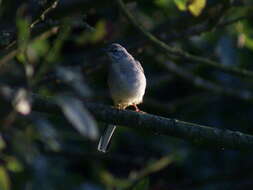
<point>203,135</point>
<point>6,58</point>
<point>180,53</point>
<point>208,85</point>
<point>37,21</point>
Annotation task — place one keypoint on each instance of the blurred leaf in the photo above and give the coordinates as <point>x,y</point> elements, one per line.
<point>248,42</point>
<point>74,78</point>
<point>37,49</point>
<point>4,179</point>
<point>22,102</point>
<point>158,165</point>
<point>80,118</point>
<point>111,181</point>
<point>181,4</point>
<point>245,35</point>
<point>100,31</point>
<point>23,32</point>
<point>2,143</point>
<point>162,3</point>
<point>21,57</point>
<point>13,164</point>
<point>96,35</point>
<point>47,133</point>
<point>196,6</point>
<point>142,185</point>
<point>54,52</point>
<point>23,37</point>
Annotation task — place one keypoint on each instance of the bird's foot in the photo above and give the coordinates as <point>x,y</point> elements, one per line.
<point>137,109</point>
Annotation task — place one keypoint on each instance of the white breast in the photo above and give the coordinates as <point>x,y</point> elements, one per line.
<point>127,83</point>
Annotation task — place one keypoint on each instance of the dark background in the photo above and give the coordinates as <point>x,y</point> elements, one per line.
<point>61,56</point>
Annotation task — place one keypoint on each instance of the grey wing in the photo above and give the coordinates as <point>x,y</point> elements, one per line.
<point>138,64</point>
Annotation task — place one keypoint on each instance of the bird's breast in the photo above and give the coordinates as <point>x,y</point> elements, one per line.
<point>127,82</point>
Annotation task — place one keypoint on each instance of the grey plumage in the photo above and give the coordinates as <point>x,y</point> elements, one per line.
<point>127,84</point>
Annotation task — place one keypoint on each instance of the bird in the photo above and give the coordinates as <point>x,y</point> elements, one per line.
<point>127,84</point>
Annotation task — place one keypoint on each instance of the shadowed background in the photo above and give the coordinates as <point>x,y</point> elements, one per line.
<point>54,49</point>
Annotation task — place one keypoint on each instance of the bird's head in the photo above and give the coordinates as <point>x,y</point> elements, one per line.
<point>116,51</point>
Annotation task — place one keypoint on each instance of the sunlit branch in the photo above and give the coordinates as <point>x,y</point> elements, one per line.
<point>200,134</point>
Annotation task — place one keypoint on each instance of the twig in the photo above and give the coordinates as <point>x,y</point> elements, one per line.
<point>151,168</point>
<point>208,85</point>
<point>14,52</point>
<point>180,53</point>
<point>36,21</point>
<point>135,178</point>
<point>44,13</point>
<point>233,21</point>
<point>202,28</point>
<point>203,135</point>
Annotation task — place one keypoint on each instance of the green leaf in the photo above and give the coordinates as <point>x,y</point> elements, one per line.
<point>37,49</point>
<point>21,57</point>
<point>55,51</point>
<point>163,3</point>
<point>181,4</point>
<point>100,31</point>
<point>248,42</point>
<point>2,143</point>
<point>4,179</point>
<point>93,36</point>
<point>142,185</point>
<point>196,6</point>
<point>245,35</point>
<point>23,32</point>
<point>13,164</point>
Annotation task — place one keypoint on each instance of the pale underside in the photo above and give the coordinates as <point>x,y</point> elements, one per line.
<point>128,87</point>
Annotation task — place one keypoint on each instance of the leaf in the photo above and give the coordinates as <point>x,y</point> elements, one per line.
<point>163,3</point>
<point>22,102</point>
<point>78,116</point>
<point>47,133</point>
<point>2,142</point>
<point>55,51</point>
<point>23,32</point>
<point>93,35</point>
<point>181,4</point>
<point>196,6</point>
<point>13,164</point>
<point>4,179</point>
<point>100,31</point>
<point>142,185</point>
<point>74,78</point>
<point>37,49</point>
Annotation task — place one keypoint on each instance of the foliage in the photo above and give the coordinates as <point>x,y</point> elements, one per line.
<point>51,48</point>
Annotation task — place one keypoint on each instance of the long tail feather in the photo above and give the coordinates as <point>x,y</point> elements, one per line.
<point>105,139</point>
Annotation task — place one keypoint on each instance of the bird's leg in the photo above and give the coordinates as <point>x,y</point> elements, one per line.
<point>136,108</point>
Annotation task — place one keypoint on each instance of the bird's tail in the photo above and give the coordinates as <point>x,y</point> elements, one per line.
<point>105,139</point>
